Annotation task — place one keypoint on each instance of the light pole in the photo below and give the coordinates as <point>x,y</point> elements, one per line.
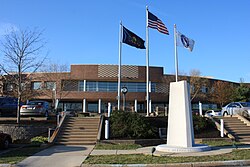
<point>54,91</point>
<point>124,91</point>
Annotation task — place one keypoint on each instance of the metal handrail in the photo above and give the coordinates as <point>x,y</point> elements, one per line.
<point>57,130</point>
<point>225,131</point>
<point>100,128</point>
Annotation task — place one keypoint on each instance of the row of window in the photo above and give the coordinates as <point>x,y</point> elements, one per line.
<point>94,86</point>
<point>98,86</point>
<point>47,85</point>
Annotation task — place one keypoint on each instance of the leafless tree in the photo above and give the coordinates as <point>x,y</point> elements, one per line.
<point>196,83</point>
<point>55,73</point>
<point>21,58</point>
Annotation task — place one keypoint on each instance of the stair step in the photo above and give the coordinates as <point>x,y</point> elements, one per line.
<point>80,125</point>
<point>243,140</point>
<point>77,143</point>
<point>77,136</point>
<point>236,128</point>
<point>79,131</point>
<point>76,139</point>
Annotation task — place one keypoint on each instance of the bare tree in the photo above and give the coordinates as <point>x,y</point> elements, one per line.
<point>1,84</point>
<point>56,74</point>
<point>21,51</point>
<point>196,83</point>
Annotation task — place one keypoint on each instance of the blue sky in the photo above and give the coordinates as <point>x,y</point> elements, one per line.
<point>87,32</point>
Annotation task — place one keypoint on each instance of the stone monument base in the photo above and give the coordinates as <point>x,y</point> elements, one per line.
<point>194,148</point>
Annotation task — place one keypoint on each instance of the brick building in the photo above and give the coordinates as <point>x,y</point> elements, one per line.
<point>89,88</point>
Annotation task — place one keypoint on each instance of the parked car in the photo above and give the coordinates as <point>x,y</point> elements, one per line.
<point>35,108</point>
<point>8,106</point>
<point>237,108</point>
<point>212,113</point>
<point>5,140</point>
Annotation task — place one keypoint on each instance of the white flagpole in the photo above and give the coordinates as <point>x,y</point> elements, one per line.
<point>147,62</point>
<point>176,54</point>
<point>119,67</point>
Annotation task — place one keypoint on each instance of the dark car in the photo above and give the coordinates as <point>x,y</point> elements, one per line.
<point>5,140</point>
<point>8,106</point>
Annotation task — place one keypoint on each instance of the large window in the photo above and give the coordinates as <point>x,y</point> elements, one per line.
<point>36,85</point>
<point>81,86</point>
<point>50,85</point>
<point>94,86</point>
<point>100,86</point>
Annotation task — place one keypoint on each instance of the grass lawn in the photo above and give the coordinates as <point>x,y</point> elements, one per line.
<point>18,155</point>
<point>147,159</point>
<point>117,146</point>
<point>220,143</point>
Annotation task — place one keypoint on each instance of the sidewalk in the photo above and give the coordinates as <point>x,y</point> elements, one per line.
<point>58,156</point>
<point>73,156</point>
<point>148,150</point>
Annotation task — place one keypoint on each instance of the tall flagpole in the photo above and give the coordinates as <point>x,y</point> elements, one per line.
<point>119,67</point>
<point>176,54</point>
<point>147,62</point>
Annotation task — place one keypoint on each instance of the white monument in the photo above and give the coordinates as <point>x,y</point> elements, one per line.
<point>180,135</point>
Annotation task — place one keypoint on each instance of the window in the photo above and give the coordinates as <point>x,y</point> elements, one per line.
<point>9,87</point>
<point>81,86</point>
<point>102,86</point>
<point>204,89</point>
<point>36,85</point>
<point>69,85</point>
<point>50,85</point>
<point>92,86</point>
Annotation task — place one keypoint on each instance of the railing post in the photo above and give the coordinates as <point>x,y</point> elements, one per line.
<point>107,122</point>
<point>49,134</point>
<point>221,127</point>
<point>200,108</point>
<point>58,119</point>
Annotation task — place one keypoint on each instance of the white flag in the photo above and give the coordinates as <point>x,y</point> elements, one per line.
<point>184,41</point>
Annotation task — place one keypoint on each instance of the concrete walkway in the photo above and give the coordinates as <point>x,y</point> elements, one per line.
<point>73,156</point>
<point>147,151</point>
<point>58,156</point>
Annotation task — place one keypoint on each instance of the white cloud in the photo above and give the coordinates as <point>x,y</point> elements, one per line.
<point>6,28</point>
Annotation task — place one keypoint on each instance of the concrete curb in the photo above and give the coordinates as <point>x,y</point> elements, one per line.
<point>192,164</point>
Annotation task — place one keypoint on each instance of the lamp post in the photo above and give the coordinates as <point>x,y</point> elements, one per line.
<point>124,91</point>
<point>54,91</point>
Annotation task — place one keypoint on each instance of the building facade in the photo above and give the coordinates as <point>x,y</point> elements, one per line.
<point>89,88</point>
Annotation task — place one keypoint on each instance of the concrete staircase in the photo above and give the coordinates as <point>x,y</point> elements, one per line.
<point>237,128</point>
<point>79,131</point>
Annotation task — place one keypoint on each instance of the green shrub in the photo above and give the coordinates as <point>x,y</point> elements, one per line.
<point>130,125</point>
<point>202,124</point>
<point>39,140</point>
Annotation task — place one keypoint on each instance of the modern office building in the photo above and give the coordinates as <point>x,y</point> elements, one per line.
<point>89,88</point>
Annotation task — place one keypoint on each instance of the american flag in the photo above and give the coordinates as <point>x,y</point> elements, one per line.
<point>154,22</point>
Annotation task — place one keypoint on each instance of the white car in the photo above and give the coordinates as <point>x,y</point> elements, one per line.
<point>35,108</point>
<point>236,108</point>
<point>212,113</point>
